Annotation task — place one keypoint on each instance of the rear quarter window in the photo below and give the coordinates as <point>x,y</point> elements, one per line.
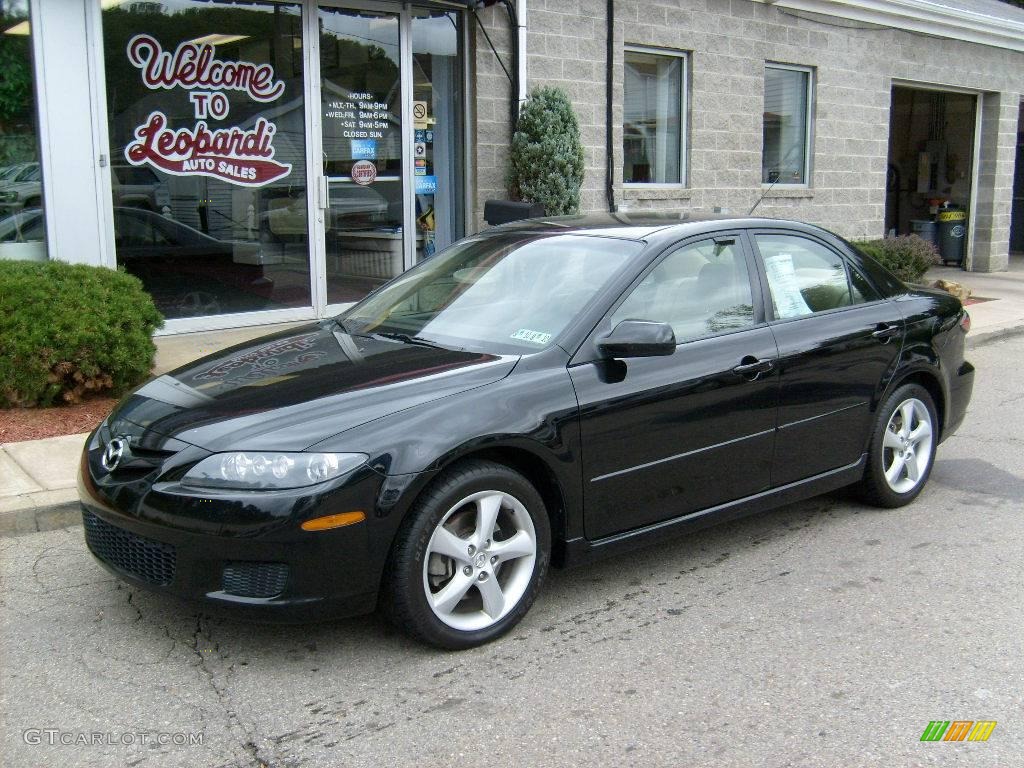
<point>885,281</point>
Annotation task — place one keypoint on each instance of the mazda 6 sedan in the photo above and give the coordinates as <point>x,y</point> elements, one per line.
<point>540,394</point>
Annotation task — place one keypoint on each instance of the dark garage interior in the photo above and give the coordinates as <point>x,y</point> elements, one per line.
<point>931,155</point>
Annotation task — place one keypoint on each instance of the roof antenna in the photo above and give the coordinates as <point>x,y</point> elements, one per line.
<point>772,185</point>
<point>764,194</point>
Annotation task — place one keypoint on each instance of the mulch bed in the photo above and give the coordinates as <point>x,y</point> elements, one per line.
<point>36,423</point>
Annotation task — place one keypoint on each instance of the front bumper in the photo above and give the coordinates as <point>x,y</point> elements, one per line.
<point>222,549</point>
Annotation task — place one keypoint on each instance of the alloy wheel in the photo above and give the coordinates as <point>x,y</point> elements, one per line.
<point>479,560</point>
<point>907,445</point>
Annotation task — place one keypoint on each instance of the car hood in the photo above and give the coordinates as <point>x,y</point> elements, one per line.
<point>290,390</point>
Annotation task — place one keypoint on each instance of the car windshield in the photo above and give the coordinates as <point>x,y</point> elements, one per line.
<point>504,293</point>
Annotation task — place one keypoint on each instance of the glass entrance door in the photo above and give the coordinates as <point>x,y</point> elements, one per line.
<point>391,127</point>
<point>362,192</point>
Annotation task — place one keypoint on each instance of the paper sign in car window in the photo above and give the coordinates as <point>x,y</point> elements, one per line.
<point>789,302</point>
<point>534,337</point>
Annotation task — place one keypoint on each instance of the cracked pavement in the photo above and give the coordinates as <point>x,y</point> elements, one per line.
<point>821,634</point>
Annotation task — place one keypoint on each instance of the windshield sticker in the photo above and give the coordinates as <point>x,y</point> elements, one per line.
<point>534,337</point>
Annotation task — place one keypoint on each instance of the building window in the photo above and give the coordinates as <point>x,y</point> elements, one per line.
<point>785,158</point>
<point>653,130</point>
<point>22,226</point>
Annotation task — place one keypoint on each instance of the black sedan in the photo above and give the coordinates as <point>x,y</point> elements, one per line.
<point>543,393</point>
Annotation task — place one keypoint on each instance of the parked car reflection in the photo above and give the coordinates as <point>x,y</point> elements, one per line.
<point>23,236</point>
<point>23,190</point>
<point>188,273</point>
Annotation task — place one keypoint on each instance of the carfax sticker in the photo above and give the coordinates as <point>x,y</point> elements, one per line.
<point>534,337</point>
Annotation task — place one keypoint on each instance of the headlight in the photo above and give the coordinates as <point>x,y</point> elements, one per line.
<point>9,197</point>
<point>254,470</point>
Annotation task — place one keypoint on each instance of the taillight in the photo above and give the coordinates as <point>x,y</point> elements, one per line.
<point>965,321</point>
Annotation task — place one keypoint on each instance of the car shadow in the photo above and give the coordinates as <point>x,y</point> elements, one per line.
<point>568,589</point>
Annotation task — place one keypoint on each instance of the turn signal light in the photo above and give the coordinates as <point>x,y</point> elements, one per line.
<point>334,521</point>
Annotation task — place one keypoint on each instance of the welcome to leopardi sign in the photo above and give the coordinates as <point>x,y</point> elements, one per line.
<point>234,154</point>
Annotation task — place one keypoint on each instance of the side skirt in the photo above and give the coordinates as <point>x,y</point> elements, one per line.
<point>580,550</point>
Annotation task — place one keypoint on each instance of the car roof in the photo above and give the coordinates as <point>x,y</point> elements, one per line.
<point>641,225</point>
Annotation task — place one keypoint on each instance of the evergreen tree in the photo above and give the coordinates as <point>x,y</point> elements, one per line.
<point>547,154</point>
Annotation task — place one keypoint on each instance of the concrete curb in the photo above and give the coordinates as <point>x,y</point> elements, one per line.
<point>34,519</point>
<point>997,334</point>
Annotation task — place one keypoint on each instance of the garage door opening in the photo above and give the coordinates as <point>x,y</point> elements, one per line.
<point>930,173</point>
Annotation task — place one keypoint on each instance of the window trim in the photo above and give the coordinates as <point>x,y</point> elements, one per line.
<point>808,131</point>
<point>684,117</point>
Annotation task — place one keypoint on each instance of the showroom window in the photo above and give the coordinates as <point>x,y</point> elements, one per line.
<point>786,152</point>
<point>22,225</point>
<point>654,110</point>
<point>208,153</point>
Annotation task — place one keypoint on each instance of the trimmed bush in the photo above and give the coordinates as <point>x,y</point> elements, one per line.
<point>908,257</point>
<point>547,153</point>
<point>70,329</point>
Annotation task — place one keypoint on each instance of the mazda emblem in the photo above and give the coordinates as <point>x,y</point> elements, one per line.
<point>112,454</point>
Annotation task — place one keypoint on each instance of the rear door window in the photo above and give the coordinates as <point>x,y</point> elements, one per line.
<point>806,277</point>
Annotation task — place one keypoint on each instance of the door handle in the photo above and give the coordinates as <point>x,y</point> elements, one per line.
<point>885,331</point>
<point>752,367</point>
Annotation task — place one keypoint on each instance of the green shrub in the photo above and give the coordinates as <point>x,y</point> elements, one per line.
<point>908,257</point>
<point>547,154</point>
<point>69,329</point>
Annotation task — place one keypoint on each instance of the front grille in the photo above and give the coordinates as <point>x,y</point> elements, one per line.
<point>255,579</point>
<point>145,559</point>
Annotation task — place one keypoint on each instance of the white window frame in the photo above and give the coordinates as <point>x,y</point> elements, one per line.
<point>808,132</point>
<point>684,111</point>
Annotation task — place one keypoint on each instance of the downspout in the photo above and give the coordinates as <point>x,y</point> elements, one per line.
<point>609,84</point>
<point>521,53</point>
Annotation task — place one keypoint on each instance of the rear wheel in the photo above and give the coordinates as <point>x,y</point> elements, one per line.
<point>902,448</point>
<point>470,559</point>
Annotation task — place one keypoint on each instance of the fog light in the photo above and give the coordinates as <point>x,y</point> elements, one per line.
<point>334,521</point>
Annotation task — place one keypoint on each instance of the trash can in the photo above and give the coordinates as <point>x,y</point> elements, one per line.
<point>952,226</point>
<point>926,229</point>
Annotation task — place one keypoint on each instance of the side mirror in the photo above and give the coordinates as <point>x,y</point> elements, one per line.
<point>638,338</point>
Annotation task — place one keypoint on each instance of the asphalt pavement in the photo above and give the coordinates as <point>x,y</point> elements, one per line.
<point>822,634</point>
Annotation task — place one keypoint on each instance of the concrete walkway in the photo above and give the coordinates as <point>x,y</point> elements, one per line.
<point>38,477</point>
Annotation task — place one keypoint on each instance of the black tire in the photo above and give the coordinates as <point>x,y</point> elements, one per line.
<point>403,595</point>
<point>874,488</point>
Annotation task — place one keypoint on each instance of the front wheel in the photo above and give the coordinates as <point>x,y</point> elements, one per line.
<point>902,448</point>
<point>471,558</point>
